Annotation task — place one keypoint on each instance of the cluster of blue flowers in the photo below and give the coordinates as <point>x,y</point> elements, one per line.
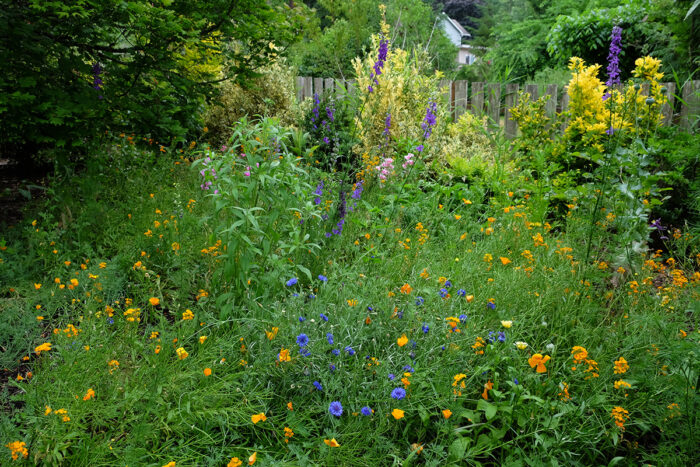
<point>379,64</point>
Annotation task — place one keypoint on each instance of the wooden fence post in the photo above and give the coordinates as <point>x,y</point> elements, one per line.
<point>667,108</point>
<point>691,102</point>
<point>318,86</point>
<point>329,83</point>
<point>551,105</point>
<point>494,90</point>
<point>460,105</point>
<point>308,87</point>
<point>299,88</point>
<point>533,90</point>
<point>511,101</point>
<point>564,108</point>
<point>478,99</point>
<point>445,87</point>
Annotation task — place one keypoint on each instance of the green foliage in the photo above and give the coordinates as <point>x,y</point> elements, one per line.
<point>272,94</point>
<point>329,122</point>
<point>347,34</point>
<point>466,151</point>
<point>263,210</point>
<point>71,71</point>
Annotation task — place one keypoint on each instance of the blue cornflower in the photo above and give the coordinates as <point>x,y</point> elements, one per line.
<point>331,367</point>
<point>366,411</point>
<point>292,281</point>
<point>329,336</point>
<point>391,376</point>
<point>516,381</point>
<point>419,148</point>
<point>408,368</point>
<point>336,408</point>
<point>448,284</point>
<point>110,320</point>
<point>318,385</point>
<point>302,340</point>
<point>491,305</point>
<point>322,278</point>
<point>501,336</point>
<point>312,296</point>
<point>350,350</point>
<point>461,293</point>
<point>398,393</point>
<point>335,352</point>
<point>304,351</point>
<point>323,317</point>
<point>419,301</point>
<point>425,328</point>
<point>302,319</point>
<point>462,318</point>
<point>399,314</point>
<point>443,293</point>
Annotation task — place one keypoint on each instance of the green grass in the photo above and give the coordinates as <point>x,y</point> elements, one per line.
<point>154,408</point>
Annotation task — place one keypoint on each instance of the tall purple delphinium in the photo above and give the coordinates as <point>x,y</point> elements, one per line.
<point>379,64</point>
<point>318,193</point>
<point>429,120</point>
<point>317,101</point>
<point>96,80</point>
<point>387,129</point>
<point>614,59</point>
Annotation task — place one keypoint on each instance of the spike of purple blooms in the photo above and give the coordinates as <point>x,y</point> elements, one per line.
<point>379,64</point>
<point>429,120</point>
<point>614,59</point>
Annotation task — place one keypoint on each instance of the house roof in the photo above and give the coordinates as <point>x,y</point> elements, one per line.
<point>459,27</point>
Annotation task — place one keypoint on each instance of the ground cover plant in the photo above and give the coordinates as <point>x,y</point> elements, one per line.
<point>422,293</point>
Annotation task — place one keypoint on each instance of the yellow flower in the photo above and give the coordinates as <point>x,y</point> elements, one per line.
<point>175,246</point>
<point>621,366</point>
<point>406,289</point>
<point>187,315</point>
<point>258,417</point>
<point>504,260</point>
<point>401,341</point>
<point>234,462</point>
<point>620,415</point>
<point>90,394</point>
<point>284,355</point>
<point>397,413</point>
<point>272,334</point>
<point>253,458</point>
<point>520,345</point>
<point>45,347</point>
<point>37,286</point>
<point>202,339</point>
<point>181,353</point>
<point>539,361</point>
<point>487,387</point>
<point>207,372</point>
<point>18,448</point>
<point>331,442</point>
<point>170,464</point>
<point>507,324</point>
<point>154,301</point>
<point>488,258</point>
<point>447,413</point>
<point>622,384</point>
<point>580,354</point>
<point>352,302</point>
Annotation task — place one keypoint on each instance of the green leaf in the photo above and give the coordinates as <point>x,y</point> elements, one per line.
<point>488,408</point>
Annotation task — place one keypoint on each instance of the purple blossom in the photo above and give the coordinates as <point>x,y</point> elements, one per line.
<point>398,393</point>
<point>614,59</point>
<point>379,64</point>
<point>429,120</point>
<point>336,408</point>
<point>318,386</point>
<point>366,411</point>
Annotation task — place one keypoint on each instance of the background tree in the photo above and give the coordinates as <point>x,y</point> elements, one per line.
<point>72,70</point>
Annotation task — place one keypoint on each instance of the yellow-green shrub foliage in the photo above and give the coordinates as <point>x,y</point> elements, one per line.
<point>594,109</point>
<point>272,94</point>
<point>401,90</point>
<point>465,148</point>
<point>533,122</point>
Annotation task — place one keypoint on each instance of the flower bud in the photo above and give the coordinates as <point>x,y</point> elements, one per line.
<point>650,100</point>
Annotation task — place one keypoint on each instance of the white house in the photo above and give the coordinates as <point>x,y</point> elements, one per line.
<point>457,34</point>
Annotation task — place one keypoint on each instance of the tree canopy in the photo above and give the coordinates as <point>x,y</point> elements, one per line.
<point>73,69</point>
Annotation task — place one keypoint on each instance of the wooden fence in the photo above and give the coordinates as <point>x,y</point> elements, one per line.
<point>496,100</point>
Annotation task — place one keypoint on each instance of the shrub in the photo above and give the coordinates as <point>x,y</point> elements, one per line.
<point>269,95</point>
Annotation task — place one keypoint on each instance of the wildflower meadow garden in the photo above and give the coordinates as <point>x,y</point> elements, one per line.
<point>367,276</point>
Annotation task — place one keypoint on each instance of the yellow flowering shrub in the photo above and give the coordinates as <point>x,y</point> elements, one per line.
<point>465,148</point>
<point>594,109</point>
<point>403,91</point>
